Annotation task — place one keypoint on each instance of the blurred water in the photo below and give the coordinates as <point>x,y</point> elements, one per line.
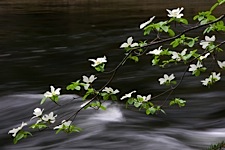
<point>40,47</point>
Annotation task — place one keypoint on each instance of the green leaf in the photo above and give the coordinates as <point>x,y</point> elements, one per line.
<point>171,32</point>
<point>137,104</point>
<point>165,28</point>
<point>113,97</point>
<point>135,58</point>
<point>150,110</point>
<point>178,101</point>
<point>103,107</point>
<point>175,43</point>
<point>74,86</point>
<point>213,7</point>
<point>130,101</point>
<point>191,43</point>
<point>43,100</point>
<point>221,2</point>
<point>106,97</point>
<point>184,21</point>
<point>18,137</point>
<point>89,92</point>
<point>39,126</point>
<point>100,68</point>
<point>196,72</point>
<point>155,61</point>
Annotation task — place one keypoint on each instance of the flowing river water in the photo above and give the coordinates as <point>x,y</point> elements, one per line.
<point>43,45</point>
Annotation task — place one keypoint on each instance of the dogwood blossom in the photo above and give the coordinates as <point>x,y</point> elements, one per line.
<point>129,43</point>
<point>155,51</point>
<point>194,67</point>
<point>49,118</point>
<point>14,131</point>
<point>212,78</point>
<point>127,95</point>
<point>166,78</point>
<point>64,123</point>
<point>146,23</point>
<point>110,90</point>
<point>52,93</point>
<point>88,81</point>
<point>178,56</point>
<point>176,13</point>
<point>204,57</point>
<point>206,81</point>
<point>98,61</point>
<point>207,41</point>
<point>145,98</point>
<point>37,112</point>
<point>221,64</point>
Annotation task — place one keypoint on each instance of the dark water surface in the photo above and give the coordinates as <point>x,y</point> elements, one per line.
<point>41,45</point>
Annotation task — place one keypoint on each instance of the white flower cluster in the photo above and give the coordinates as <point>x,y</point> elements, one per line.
<point>47,117</point>
<point>54,92</point>
<point>166,79</point>
<point>14,131</point>
<point>205,43</point>
<point>88,81</point>
<point>175,13</point>
<point>129,43</point>
<point>211,79</point>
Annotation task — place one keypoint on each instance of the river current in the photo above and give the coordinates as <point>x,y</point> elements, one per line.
<point>43,46</point>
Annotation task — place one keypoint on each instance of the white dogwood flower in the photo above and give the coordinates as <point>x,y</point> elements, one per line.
<point>166,79</point>
<point>212,78</point>
<point>206,81</point>
<point>145,98</point>
<point>221,64</point>
<point>155,51</point>
<point>129,43</point>
<point>53,92</point>
<point>146,23</point>
<point>178,56</point>
<point>37,112</point>
<point>176,13</point>
<point>110,90</point>
<point>194,67</point>
<point>98,61</point>
<point>64,123</point>
<point>88,80</point>
<point>127,95</point>
<point>49,118</point>
<point>14,131</point>
<point>207,41</point>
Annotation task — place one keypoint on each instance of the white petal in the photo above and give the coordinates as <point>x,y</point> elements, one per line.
<point>171,77</point>
<point>134,45</point>
<point>116,91</point>
<point>52,89</point>
<point>129,40</point>
<point>85,79</point>
<point>48,94</point>
<point>161,81</point>
<point>92,78</point>
<point>93,60</point>
<point>146,23</point>
<point>124,45</point>
<point>221,64</point>
<point>183,52</point>
<point>57,91</point>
